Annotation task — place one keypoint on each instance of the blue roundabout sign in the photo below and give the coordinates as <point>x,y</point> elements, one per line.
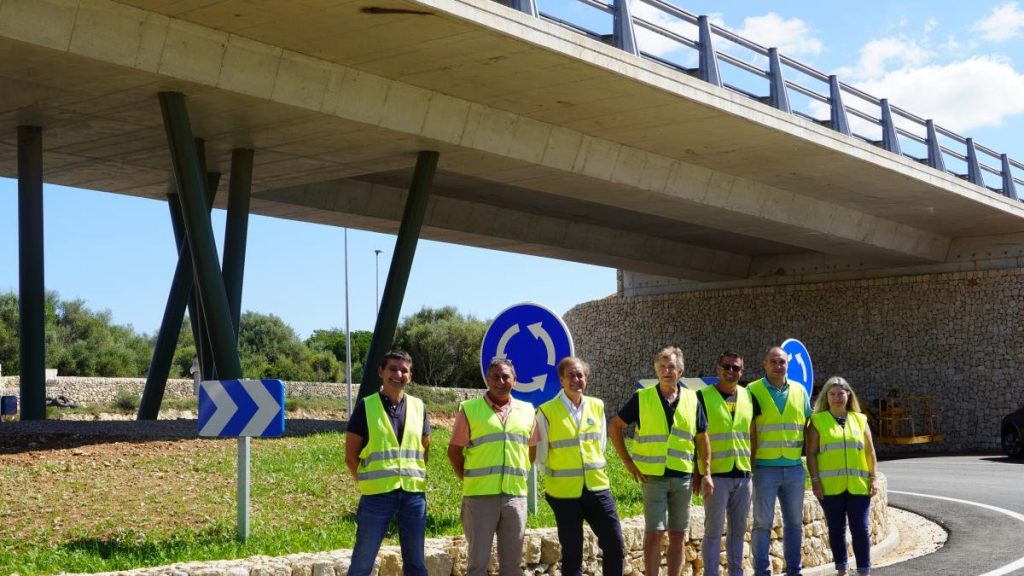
<point>535,339</point>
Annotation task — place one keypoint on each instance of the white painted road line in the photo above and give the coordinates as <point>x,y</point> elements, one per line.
<point>1018,564</point>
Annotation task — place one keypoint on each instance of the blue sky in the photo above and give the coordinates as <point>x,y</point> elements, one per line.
<point>960,63</point>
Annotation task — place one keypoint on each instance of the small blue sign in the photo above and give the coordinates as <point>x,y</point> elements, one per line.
<point>535,339</point>
<point>234,408</point>
<point>800,368</point>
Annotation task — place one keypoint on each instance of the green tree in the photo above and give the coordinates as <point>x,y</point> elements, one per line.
<point>269,348</point>
<point>445,346</point>
<point>333,341</point>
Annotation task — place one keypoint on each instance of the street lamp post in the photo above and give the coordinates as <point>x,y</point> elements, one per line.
<point>377,277</point>
<point>348,334</point>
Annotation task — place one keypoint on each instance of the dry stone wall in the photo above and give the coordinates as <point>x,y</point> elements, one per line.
<point>957,336</point>
<point>541,551</point>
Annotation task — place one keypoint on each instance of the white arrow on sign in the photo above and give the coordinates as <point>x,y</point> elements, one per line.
<point>536,384</point>
<point>503,342</point>
<point>226,408</point>
<point>540,333</point>
<point>267,405</point>
<point>803,365</point>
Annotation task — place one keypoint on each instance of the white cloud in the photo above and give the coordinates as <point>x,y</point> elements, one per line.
<point>1005,22</point>
<point>879,55</point>
<point>793,37</point>
<point>952,94</point>
<point>654,43</point>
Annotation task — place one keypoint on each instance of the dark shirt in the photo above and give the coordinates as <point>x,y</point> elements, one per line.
<point>730,404</point>
<point>630,414</point>
<point>396,414</point>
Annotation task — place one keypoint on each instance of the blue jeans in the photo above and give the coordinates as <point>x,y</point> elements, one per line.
<point>787,484</point>
<point>731,498</point>
<point>855,507</point>
<point>372,521</point>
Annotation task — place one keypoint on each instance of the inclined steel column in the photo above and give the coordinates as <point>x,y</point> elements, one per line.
<point>1009,188</point>
<point>179,297</point>
<point>209,282</point>
<point>236,230</point>
<point>398,274</point>
<point>208,368</point>
<point>31,287</point>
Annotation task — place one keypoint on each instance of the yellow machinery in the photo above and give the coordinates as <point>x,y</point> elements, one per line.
<point>905,419</point>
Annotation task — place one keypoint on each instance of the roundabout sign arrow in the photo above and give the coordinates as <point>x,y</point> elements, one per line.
<point>534,352</point>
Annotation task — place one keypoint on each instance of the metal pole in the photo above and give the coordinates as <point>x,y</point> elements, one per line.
<point>376,275</point>
<point>401,265</point>
<point>31,287</point>
<point>348,334</point>
<point>210,282</point>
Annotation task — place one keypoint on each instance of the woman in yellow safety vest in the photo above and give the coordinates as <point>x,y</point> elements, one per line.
<point>841,460</point>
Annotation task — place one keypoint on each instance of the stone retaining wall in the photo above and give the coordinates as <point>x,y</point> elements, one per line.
<point>95,391</point>
<point>956,336</point>
<point>447,556</point>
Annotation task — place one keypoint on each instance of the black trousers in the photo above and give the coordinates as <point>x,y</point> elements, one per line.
<point>598,509</point>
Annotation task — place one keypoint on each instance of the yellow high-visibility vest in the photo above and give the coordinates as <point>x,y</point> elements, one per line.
<point>779,434</point>
<point>574,458</point>
<point>657,447</point>
<point>384,463</point>
<point>498,455</point>
<point>842,457</point>
<point>729,432</point>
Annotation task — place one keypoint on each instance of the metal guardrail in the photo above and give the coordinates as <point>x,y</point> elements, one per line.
<point>874,120</point>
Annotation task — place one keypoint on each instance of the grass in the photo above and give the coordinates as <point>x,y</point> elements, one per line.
<point>179,505</point>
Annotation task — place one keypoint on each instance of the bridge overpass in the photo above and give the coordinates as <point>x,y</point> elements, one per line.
<point>553,139</point>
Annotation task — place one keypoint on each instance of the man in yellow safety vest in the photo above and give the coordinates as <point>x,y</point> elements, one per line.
<point>386,449</point>
<point>671,427</point>
<point>493,444</point>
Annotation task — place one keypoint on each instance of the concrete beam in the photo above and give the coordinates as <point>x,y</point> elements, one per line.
<point>548,236</point>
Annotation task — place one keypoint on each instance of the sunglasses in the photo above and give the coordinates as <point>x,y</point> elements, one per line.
<point>732,367</point>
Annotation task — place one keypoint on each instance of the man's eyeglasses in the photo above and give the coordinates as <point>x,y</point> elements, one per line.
<point>732,367</point>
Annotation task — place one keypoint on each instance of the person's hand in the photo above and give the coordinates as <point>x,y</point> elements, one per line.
<point>635,472</point>
<point>874,485</point>
<point>818,492</point>
<point>707,487</point>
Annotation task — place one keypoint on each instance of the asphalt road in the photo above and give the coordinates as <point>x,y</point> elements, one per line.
<point>979,500</point>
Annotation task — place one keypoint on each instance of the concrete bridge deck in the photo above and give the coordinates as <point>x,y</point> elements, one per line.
<point>551,143</point>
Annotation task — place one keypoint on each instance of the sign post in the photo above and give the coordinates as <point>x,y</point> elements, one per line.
<point>535,339</point>
<point>243,409</point>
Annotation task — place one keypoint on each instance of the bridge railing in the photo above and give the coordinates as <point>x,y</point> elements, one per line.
<point>664,33</point>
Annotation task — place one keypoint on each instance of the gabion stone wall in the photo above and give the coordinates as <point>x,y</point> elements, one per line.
<point>957,336</point>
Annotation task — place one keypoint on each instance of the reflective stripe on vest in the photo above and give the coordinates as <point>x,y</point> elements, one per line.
<point>498,455</point>
<point>574,457</point>
<point>842,460</point>
<point>656,447</point>
<point>384,464</point>
<point>728,432</point>
<point>779,434</point>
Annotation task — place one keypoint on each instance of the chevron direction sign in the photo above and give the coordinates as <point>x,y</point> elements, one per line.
<point>236,408</point>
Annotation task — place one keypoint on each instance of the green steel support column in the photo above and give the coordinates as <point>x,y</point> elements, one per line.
<point>210,283</point>
<point>206,364</point>
<point>179,297</point>
<point>31,288</point>
<point>236,230</point>
<point>401,264</point>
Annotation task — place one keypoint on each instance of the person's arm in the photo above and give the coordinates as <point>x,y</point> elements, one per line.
<point>707,485</point>
<point>615,434</point>
<point>869,450</point>
<point>812,439</point>
<point>353,446</point>
<point>460,438</point>
<point>753,431</point>
<point>541,450</point>
<point>426,437</point>
<point>534,440</point>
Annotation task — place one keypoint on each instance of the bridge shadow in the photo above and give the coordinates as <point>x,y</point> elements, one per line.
<point>32,436</point>
<point>1004,460</point>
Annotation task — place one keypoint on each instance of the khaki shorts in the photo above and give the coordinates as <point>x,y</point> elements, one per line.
<point>666,503</point>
